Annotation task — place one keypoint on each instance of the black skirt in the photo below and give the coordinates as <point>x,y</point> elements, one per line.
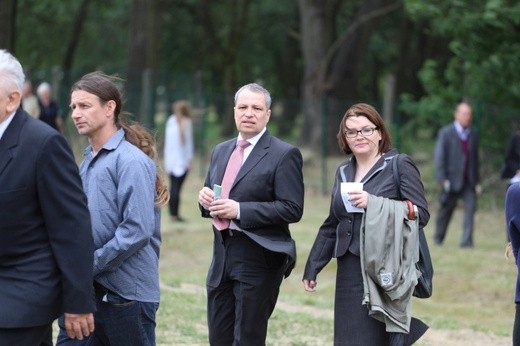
<point>352,324</point>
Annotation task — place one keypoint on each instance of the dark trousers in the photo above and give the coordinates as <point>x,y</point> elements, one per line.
<point>32,336</point>
<point>240,307</point>
<point>118,321</point>
<point>516,326</point>
<point>175,192</point>
<point>448,203</point>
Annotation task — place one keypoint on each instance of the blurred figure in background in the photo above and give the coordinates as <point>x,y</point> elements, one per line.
<point>29,100</point>
<point>457,172</point>
<point>49,112</point>
<point>513,229</point>
<point>511,167</point>
<point>178,152</point>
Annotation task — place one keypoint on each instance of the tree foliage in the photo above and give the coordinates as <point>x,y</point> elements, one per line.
<point>316,57</point>
<point>483,39</point>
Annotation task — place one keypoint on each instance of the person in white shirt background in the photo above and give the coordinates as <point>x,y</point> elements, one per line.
<point>178,152</point>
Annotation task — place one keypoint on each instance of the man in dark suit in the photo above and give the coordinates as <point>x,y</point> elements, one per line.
<point>457,172</point>
<point>253,248</point>
<point>46,246</point>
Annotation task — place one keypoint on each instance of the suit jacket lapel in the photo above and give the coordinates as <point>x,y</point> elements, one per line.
<point>259,151</point>
<point>10,139</point>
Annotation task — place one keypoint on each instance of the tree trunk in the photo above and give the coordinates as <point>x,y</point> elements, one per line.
<point>317,27</point>
<point>326,71</point>
<point>7,24</point>
<point>224,40</point>
<point>79,20</point>
<point>143,51</point>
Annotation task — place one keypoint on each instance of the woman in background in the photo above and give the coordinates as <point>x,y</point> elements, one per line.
<point>178,152</point>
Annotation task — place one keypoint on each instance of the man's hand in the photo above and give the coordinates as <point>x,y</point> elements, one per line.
<point>309,285</point>
<point>206,196</point>
<point>79,326</point>
<point>224,209</point>
<point>478,189</point>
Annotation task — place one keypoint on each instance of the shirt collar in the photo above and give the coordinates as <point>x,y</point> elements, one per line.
<point>462,132</point>
<point>112,143</point>
<point>4,124</point>
<point>255,139</point>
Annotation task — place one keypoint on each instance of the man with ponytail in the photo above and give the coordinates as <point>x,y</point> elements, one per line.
<point>125,193</point>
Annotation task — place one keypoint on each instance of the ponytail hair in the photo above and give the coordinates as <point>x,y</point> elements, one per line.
<point>141,138</point>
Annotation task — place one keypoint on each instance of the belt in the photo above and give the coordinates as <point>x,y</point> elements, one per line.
<point>99,288</point>
<point>228,232</point>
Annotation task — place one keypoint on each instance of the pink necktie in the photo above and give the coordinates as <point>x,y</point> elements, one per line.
<point>233,166</point>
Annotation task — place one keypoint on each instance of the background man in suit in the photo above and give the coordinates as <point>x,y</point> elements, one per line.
<point>46,241</point>
<point>457,172</point>
<point>254,251</point>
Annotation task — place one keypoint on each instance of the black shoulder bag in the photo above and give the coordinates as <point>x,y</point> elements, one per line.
<point>424,288</point>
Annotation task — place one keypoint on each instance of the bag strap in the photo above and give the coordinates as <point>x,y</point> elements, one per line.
<point>395,172</point>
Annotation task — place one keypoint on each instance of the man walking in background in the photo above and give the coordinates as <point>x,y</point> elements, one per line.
<point>457,173</point>
<point>46,247</point>
<point>262,192</point>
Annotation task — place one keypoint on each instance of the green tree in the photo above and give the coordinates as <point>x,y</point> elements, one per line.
<point>483,67</point>
<point>7,24</point>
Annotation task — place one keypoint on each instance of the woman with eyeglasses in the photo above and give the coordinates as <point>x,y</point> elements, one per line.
<point>365,139</point>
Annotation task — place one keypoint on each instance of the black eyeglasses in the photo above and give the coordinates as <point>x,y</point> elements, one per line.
<point>367,131</point>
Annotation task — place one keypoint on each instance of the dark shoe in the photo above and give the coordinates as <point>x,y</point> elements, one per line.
<point>177,219</point>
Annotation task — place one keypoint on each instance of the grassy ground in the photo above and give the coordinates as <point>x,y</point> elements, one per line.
<point>473,289</point>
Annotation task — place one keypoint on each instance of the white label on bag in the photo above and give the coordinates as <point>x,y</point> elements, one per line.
<point>386,279</point>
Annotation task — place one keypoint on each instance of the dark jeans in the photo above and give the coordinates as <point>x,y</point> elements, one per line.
<point>516,326</point>
<point>118,321</point>
<point>175,192</point>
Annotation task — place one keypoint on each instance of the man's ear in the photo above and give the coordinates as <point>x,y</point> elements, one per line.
<point>13,101</point>
<point>111,107</point>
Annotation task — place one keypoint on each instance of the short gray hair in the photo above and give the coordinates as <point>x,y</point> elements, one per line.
<point>43,87</point>
<point>257,88</point>
<point>11,71</point>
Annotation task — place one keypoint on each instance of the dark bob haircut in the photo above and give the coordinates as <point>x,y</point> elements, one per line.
<point>364,110</point>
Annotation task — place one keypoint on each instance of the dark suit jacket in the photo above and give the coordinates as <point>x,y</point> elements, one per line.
<point>46,246</point>
<point>512,157</point>
<point>513,228</point>
<point>270,190</point>
<point>340,232</point>
<point>449,158</point>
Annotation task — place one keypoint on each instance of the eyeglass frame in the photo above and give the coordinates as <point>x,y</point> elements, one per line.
<point>360,132</point>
